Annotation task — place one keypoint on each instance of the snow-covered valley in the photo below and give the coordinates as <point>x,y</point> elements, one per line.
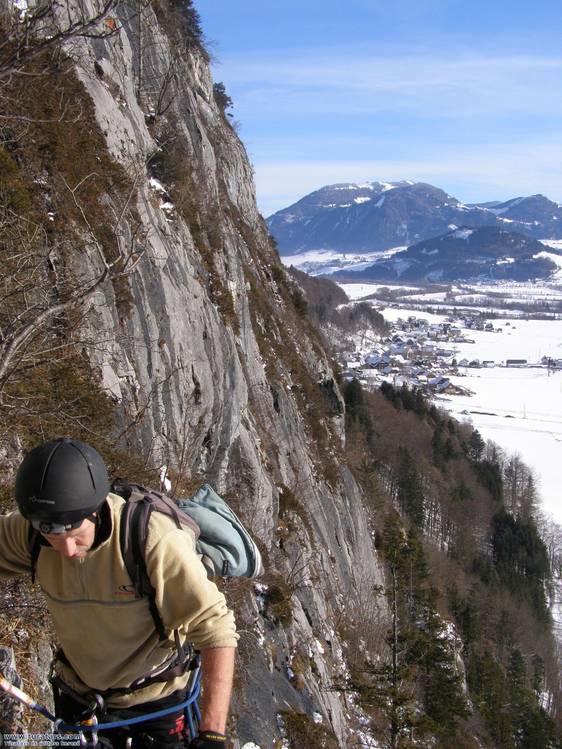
<point>519,407</point>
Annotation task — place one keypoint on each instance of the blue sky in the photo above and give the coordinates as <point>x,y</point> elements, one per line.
<point>464,94</point>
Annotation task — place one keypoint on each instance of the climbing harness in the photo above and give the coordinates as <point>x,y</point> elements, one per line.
<point>88,729</point>
<point>182,660</point>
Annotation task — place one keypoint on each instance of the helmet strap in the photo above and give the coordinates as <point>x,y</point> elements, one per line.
<point>102,520</point>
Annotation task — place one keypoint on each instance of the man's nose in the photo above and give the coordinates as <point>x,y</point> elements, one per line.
<point>67,547</point>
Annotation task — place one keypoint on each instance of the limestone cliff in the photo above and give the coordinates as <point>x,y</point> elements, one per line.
<point>215,372</point>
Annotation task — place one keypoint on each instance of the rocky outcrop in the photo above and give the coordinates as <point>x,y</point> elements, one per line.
<point>11,712</point>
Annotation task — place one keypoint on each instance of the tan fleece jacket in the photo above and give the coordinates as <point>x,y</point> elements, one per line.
<point>105,631</point>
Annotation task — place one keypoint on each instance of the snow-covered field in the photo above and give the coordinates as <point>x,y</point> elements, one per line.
<point>519,339</point>
<point>519,409</point>
<point>556,243</point>
<point>393,314</point>
<point>522,290</point>
<point>516,291</point>
<point>556,259</point>
<point>315,262</point>
<point>527,402</point>
<point>358,290</point>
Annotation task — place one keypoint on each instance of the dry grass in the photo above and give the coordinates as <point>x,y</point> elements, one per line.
<point>303,733</point>
<point>288,503</point>
<point>24,621</point>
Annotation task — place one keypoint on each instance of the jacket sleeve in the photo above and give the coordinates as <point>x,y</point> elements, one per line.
<point>185,597</point>
<point>15,557</point>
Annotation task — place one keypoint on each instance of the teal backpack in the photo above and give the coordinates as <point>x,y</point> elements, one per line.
<point>226,547</point>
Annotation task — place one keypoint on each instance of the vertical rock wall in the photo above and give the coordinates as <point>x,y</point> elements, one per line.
<point>216,375</point>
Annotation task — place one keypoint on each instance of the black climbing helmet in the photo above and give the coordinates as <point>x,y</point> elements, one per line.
<point>60,483</point>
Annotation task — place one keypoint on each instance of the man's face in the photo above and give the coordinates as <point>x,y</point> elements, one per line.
<point>75,543</point>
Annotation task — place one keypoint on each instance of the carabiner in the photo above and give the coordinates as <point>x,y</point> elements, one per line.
<point>93,721</point>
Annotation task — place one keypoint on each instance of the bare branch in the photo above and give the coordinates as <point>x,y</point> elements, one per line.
<point>30,300</point>
<point>31,34</point>
<point>11,347</point>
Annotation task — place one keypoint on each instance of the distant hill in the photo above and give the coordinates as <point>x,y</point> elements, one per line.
<point>377,216</point>
<point>461,255</point>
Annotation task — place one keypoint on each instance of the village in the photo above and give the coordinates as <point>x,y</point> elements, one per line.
<point>424,355</point>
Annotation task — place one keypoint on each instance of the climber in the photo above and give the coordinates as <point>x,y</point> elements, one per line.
<point>110,651</point>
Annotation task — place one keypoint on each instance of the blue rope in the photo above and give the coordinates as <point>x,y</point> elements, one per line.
<point>194,694</point>
<point>43,710</point>
<point>189,717</point>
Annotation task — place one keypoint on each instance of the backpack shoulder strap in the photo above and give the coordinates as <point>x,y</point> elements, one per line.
<point>132,540</point>
<point>140,503</point>
<point>134,493</point>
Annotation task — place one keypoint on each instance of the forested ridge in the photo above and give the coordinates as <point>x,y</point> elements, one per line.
<point>470,650</point>
<point>329,307</point>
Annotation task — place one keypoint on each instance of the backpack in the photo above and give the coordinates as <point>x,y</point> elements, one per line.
<point>225,546</point>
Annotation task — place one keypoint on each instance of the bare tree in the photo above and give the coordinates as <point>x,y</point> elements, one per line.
<point>31,31</point>
<point>39,293</point>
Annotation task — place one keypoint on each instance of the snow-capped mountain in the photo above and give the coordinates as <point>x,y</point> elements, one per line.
<point>376,216</point>
<point>463,254</point>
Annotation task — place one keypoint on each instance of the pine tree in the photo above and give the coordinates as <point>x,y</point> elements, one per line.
<point>532,728</point>
<point>399,696</point>
<point>475,446</point>
<point>443,698</point>
<point>420,687</point>
<point>521,559</point>
<point>191,20</point>
<point>461,493</point>
<point>391,686</point>
<point>222,99</point>
<point>488,688</point>
<point>538,676</point>
<point>490,476</point>
<point>357,411</point>
<point>467,617</point>
<point>437,445</point>
<point>410,491</point>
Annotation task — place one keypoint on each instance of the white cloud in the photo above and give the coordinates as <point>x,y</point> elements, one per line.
<point>450,84</point>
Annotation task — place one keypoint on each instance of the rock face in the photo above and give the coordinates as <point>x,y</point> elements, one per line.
<point>214,371</point>
<point>11,712</point>
<point>378,216</point>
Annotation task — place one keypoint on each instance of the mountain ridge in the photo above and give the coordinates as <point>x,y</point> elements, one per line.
<point>463,254</point>
<point>363,217</point>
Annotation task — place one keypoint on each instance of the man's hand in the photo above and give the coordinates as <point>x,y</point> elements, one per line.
<point>208,740</point>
